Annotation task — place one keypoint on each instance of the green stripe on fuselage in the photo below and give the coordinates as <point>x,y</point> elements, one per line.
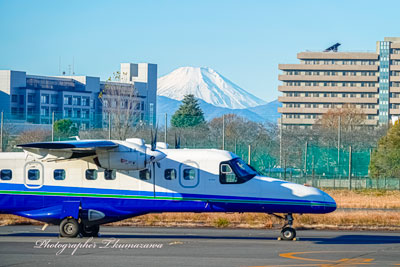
<point>65,194</point>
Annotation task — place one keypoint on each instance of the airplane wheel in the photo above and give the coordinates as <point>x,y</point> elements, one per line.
<point>69,227</point>
<point>91,231</point>
<point>288,233</point>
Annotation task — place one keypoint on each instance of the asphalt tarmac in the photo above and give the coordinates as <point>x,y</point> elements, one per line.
<point>131,246</point>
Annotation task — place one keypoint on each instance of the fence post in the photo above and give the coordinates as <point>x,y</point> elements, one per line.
<point>338,145</point>
<point>280,148</point>
<point>223,132</point>
<point>313,170</point>
<point>249,155</point>
<point>350,154</point>
<point>52,126</point>
<point>109,125</point>
<point>1,132</point>
<point>305,159</point>
<point>166,128</point>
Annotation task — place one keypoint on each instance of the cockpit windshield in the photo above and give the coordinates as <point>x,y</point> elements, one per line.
<point>242,168</point>
<point>236,171</point>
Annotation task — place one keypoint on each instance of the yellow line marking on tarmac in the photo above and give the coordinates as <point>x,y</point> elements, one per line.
<point>322,262</point>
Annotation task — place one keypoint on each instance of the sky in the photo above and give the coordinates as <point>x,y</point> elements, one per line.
<point>243,40</point>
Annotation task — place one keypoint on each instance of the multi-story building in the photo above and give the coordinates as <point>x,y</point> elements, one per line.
<point>325,80</point>
<point>35,99</point>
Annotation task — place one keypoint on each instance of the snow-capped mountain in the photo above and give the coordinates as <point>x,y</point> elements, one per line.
<point>208,85</point>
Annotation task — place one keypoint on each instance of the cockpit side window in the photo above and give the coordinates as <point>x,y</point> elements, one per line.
<point>235,171</point>
<point>227,176</point>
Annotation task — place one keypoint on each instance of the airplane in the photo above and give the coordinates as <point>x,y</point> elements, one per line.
<point>82,184</point>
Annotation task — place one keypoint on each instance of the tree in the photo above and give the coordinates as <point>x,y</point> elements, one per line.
<point>35,135</point>
<point>65,128</point>
<point>189,114</point>
<point>385,159</point>
<point>350,118</point>
<point>121,106</point>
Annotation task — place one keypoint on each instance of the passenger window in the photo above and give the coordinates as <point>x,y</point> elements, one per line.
<point>227,176</point>
<point>189,174</point>
<point>34,174</point>
<point>6,175</point>
<point>170,174</point>
<point>144,175</point>
<point>91,174</point>
<point>59,174</point>
<point>110,174</point>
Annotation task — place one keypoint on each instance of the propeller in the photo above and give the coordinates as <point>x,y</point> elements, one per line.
<point>154,139</point>
<point>177,142</point>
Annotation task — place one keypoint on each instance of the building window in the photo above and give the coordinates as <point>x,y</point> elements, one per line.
<point>110,174</point>
<point>53,99</point>
<point>31,110</point>
<point>44,111</point>
<point>59,174</point>
<point>14,98</point>
<point>85,114</point>
<point>91,174</point>
<point>68,113</point>
<point>85,101</point>
<point>6,175</point>
<point>77,113</point>
<point>170,174</point>
<point>76,101</point>
<point>31,98</point>
<point>34,174</point>
<point>67,100</point>
<point>44,99</point>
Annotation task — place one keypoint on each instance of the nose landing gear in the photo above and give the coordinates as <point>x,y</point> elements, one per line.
<point>287,232</point>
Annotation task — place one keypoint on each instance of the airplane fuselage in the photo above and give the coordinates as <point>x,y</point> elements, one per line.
<point>185,180</point>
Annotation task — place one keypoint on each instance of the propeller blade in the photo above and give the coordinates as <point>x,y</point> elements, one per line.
<point>153,145</point>
<point>154,139</point>
<point>177,141</point>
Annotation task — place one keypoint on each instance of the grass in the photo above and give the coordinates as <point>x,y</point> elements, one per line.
<point>358,219</point>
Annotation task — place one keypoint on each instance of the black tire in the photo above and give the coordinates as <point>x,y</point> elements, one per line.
<point>90,231</point>
<point>288,233</point>
<point>69,227</point>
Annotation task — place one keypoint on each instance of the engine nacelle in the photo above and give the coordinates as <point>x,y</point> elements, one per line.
<point>130,160</point>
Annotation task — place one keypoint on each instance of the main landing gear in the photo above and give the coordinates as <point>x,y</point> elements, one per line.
<point>287,232</point>
<point>70,227</point>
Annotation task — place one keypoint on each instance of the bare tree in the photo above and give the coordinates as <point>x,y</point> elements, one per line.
<point>121,107</point>
<point>31,136</point>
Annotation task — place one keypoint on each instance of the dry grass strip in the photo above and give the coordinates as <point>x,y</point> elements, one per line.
<point>363,219</point>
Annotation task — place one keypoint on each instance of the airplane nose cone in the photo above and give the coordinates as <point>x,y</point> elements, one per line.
<point>330,203</point>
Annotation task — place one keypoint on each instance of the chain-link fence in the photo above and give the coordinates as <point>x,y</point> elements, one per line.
<point>301,156</point>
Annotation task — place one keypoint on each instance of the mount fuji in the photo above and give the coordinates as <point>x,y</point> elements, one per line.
<point>208,85</point>
<point>216,95</point>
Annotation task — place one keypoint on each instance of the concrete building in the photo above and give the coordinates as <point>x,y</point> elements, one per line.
<point>326,80</point>
<point>34,98</point>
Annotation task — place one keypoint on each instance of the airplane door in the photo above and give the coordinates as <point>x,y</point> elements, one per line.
<point>33,175</point>
<point>189,174</point>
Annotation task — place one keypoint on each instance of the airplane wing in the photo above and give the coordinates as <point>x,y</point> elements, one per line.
<point>60,150</point>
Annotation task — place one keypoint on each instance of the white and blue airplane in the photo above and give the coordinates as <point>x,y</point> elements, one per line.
<point>82,184</point>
